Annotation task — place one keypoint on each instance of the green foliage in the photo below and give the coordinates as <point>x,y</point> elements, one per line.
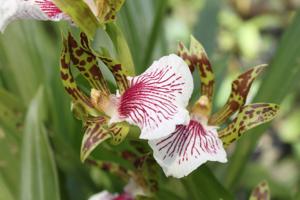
<point>39,179</point>
<point>279,81</point>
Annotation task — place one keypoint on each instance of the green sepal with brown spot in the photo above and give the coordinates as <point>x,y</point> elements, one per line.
<point>95,133</point>
<point>239,91</point>
<point>117,70</point>
<point>86,62</point>
<point>68,81</point>
<point>107,10</point>
<point>261,192</point>
<point>196,57</point>
<point>118,132</point>
<point>248,117</point>
<point>81,15</point>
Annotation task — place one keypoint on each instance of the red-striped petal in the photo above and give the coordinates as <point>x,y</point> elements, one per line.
<point>11,10</point>
<point>156,100</point>
<point>187,148</point>
<point>50,9</point>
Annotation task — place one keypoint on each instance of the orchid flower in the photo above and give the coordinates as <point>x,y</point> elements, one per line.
<point>131,190</point>
<point>11,10</point>
<point>201,139</point>
<point>155,101</point>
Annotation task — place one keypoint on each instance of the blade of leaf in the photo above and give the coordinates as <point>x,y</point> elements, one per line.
<point>202,184</point>
<point>122,49</point>
<point>155,30</point>
<point>274,88</point>
<point>239,92</point>
<point>39,179</point>
<point>5,193</point>
<point>207,30</point>
<point>248,117</point>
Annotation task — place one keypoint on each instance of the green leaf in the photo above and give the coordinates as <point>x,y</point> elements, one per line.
<point>206,28</point>
<point>81,14</point>
<point>5,193</point>
<point>122,49</point>
<point>283,73</point>
<point>39,180</point>
<point>155,31</point>
<point>203,185</point>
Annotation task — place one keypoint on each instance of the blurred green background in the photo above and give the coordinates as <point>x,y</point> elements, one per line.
<point>40,139</point>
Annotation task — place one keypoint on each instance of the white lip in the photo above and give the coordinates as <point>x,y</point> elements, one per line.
<point>8,9</point>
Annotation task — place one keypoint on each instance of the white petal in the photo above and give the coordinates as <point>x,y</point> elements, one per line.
<point>11,10</point>
<point>187,148</point>
<point>104,195</point>
<point>8,8</point>
<point>156,99</point>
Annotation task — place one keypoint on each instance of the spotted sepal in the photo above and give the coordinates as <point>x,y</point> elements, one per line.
<point>248,117</point>
<point>95,133</point>
<point>261,192</point>
<point>117,70</point>
<point>196,57</point>
<point>239,91</point>
<point>119,132</point>
<point>107,10</point>
<point>68,80</point>
<point>86,62</point>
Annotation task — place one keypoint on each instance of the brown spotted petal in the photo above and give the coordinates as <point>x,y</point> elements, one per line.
<point>248,117</point>
<point>95,133</point>
<point>239,91</point>
<point>196,57</point>
<point>261,192</point>
<point>86,62</point>
<point>68,81</point>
